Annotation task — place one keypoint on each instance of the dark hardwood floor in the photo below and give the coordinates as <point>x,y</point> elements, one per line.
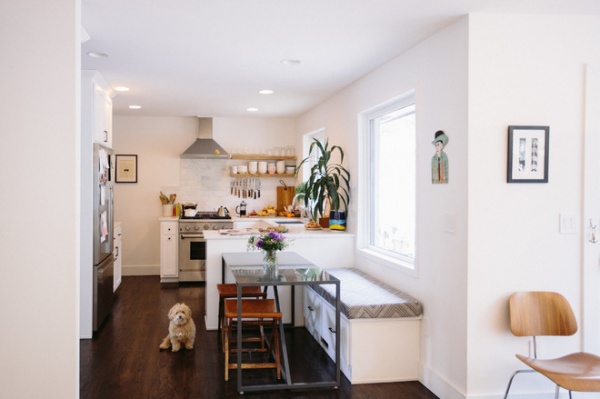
<point>123,359</point>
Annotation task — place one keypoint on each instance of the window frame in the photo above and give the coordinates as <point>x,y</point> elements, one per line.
<point>365,174</point>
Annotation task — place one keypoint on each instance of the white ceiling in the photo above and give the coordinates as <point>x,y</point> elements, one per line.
<point>211,57</point>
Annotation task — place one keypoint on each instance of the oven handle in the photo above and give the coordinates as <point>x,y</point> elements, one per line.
<point>184,236</point>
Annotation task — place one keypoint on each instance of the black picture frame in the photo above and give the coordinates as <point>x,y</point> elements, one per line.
<point>528,154</point>
<point>126,168</point>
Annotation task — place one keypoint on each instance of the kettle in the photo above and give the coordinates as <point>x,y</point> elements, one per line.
<point>222,212</point>
<point>241,209</point>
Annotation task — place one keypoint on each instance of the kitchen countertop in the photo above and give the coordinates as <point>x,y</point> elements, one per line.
<point>292,233</point>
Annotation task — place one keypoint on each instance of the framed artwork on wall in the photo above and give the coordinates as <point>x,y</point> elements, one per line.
<point>126,168</point>
<point>528,154</point>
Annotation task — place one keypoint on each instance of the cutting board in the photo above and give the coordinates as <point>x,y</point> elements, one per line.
<point>285,195</point>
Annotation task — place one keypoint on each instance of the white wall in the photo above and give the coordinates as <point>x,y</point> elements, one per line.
<point>158,142</point>
<point>38,206</point>
<point>473,79</point>
<point>437,69</point>
<point>523,70</point>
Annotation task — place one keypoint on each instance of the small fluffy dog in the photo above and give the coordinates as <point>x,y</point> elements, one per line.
<point>182,330</point>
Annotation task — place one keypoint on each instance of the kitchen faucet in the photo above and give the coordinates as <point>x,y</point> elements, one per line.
<point>303,210</point>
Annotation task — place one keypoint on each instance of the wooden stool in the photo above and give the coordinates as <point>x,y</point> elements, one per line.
<point>263,312</point>
<point>228,291</point>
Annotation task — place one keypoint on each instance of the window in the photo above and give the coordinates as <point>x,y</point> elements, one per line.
<point>309,138</point>
<point>388,206</point>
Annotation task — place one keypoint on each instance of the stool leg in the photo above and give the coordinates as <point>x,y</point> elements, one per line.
<point>275,341</point>
<point>226,336</point>
<point>220,323</point>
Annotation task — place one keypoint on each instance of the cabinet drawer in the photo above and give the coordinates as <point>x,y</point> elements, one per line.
<point>312,312</point>
<point>167,228</point>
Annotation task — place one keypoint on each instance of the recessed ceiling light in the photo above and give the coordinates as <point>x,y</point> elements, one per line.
<point>121,88</point>
<point>251,109</point>
<point>96,54</point>
<point>135,107</point>
<point>266,91</point>
<point>291,62</point>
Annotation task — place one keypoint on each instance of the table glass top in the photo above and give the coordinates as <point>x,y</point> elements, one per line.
<point>247,268</point>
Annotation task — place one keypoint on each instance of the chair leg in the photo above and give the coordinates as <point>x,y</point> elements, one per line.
<point>512,377</point>
<point>556,392</point>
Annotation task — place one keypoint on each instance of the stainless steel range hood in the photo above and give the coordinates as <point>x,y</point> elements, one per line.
<point>205,147</point>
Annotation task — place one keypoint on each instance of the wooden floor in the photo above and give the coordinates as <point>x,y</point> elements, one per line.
<point>123,359</point>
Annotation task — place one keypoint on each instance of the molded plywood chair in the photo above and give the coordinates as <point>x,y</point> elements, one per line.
<point>549,313</point>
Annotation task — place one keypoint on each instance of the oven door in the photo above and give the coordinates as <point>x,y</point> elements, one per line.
<point>192,257</point>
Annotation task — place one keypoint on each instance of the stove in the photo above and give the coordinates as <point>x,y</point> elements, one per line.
<point>204,221</point>
<point>206,215</point>
<point>192,244</point>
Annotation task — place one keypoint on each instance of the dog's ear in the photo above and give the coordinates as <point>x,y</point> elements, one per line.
<point>172,311</point>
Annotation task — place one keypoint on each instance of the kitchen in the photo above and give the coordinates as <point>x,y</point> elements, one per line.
<point>460,307</point>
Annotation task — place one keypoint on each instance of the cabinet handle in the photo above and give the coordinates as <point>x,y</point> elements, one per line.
<point>332,330</point>
<point>117,252</point>
<point>311,308</point>
<point>106,136</point>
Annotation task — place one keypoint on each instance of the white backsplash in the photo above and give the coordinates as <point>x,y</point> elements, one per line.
<point>207,182</point>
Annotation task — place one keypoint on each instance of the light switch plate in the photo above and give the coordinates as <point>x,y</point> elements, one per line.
<point>568,223</point>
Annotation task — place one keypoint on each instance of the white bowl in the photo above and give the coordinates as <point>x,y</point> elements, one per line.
<point>242,168</point>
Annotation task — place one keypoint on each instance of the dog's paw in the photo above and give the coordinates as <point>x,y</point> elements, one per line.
<point>189,346</point>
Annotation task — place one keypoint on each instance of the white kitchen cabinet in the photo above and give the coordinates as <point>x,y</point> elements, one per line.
<point>117,251</point>
<point>96,98</point>
<point>102,117</point>
<point>169,270</point>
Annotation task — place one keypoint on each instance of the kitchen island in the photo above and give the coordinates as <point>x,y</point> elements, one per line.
<point>324,248</point>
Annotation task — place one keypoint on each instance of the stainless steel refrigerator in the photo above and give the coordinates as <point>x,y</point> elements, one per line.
<point>103,234</point>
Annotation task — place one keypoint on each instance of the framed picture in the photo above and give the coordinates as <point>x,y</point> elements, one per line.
<point>528,154</point>
<point>126,166</point>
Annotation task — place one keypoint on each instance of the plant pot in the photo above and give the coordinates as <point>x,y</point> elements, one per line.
<point>337,220</point>
<point>324,222</point>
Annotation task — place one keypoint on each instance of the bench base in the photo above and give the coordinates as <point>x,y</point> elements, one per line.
<point>371,350</point>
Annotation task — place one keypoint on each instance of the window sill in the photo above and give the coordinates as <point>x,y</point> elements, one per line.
<point>405,267</point>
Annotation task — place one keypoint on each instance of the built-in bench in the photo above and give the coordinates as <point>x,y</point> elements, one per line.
<point>379,327</point>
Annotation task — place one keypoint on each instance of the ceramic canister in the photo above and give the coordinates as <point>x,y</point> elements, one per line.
<point>280,167</point>
<point>252,167</point>
<point>262,167</point>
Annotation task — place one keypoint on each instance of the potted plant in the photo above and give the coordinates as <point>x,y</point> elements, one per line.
<point>328,186</point>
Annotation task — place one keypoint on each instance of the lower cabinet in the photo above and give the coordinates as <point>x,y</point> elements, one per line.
<point>169,269</point>
<point>117,250</point>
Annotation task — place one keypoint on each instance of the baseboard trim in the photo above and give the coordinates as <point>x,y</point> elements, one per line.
<point>141,270</point>
<point>436,384</point>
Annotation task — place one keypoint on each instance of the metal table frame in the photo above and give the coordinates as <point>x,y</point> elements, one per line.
<point>247,268</point>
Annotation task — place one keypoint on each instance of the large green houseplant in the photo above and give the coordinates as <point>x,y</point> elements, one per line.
<point>328,185</point>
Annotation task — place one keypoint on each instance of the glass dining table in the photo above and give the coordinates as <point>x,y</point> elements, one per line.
<point>293,270</point>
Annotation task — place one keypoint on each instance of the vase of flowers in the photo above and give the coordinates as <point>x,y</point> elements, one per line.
<point>270,243</point>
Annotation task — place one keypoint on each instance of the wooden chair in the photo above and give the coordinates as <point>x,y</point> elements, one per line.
<point>263,311</point>
<point>549,313</point>
<point>229,291</point>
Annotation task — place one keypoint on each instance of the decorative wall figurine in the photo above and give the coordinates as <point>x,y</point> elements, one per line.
<point>439,162</point>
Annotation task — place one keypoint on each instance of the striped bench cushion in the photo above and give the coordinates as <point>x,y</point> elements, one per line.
<point>364,297</point>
